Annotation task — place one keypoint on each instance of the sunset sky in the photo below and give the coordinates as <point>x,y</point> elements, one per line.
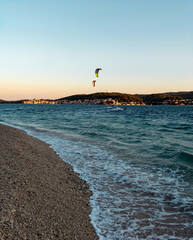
<point>51,48</point>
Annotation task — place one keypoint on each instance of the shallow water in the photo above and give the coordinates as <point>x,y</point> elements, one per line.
<point>138,163</point>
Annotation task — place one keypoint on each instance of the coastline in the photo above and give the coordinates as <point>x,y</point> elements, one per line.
<point>41,196</point>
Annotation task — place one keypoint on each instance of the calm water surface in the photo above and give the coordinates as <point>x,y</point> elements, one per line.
<point>137,161</point>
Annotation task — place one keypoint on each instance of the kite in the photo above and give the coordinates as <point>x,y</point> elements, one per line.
<point>97,72</point>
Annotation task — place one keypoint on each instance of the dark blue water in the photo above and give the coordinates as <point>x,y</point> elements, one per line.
<point>138,162</point>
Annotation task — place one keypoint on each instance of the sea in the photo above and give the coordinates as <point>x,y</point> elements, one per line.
<point>137,161</point>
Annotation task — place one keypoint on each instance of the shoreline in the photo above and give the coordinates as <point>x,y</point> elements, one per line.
<point>41,196</point>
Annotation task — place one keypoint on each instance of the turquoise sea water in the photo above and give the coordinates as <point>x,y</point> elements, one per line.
<point>137,161</point>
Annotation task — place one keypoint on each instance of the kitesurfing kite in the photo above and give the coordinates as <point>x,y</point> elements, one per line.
<point>93,83</point>
<point>97,72</point>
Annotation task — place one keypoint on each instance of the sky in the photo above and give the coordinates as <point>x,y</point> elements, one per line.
<point>51,48</point>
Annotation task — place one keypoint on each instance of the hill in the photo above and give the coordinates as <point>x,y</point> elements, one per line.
<point>185,95</point>
<point>158,99</point>
<point>120,97</point>
<point>169,98</point>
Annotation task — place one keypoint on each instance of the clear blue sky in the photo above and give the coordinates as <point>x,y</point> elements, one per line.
<point>50,48</point>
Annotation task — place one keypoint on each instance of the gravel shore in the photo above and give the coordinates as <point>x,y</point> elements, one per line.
<point>40,195</point>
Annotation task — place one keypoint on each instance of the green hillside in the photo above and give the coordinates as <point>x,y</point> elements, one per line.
<point>158,99</point>
<point>185,95</point>
<point>121,97</point>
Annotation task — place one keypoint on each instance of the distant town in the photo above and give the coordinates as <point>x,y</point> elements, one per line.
<point>104,98</point>
<point>40,101</point>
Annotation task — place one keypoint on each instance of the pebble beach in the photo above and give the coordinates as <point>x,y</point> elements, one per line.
<point>40,195</point>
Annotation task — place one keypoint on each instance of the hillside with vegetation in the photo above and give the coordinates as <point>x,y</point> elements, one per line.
<point>158,99</point>
<point>179,98</point>
<point>120,97</point>
<point>171,98</point>
<point>185,95</point>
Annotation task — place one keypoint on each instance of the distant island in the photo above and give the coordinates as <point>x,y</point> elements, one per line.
<point>105,98</point>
